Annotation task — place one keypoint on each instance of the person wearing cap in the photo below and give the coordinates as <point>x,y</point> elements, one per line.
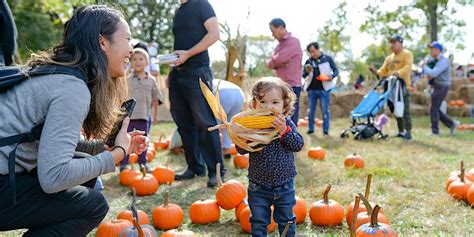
<point>286,60</point>
<point>440,76</point>
<point>399,64</point>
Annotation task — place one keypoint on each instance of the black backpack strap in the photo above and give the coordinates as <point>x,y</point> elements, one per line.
<point>30,136</point>
<point>57,69</point>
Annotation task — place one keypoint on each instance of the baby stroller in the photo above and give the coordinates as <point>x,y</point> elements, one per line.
<point>363,116</point>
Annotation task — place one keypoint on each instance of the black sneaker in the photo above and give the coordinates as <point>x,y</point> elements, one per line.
<point>148,169</point>
<point>408,136</point>
<point>400,135</point>
<point>310,132</point>
<point>188,174</point>
<point>227,156</point>
<point>212,182</point>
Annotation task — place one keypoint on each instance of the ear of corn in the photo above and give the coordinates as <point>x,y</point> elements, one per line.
<point>256,122</point>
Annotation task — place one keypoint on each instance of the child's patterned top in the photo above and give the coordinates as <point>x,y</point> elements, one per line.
<point>275,164</point>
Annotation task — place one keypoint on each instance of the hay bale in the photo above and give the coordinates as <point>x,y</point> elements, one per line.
<point>459,111</point>
<point>418,110</point>
<point>452,95</point>
<point>420,98</point>
<point>338,112</point>
<point>456,84</point>
<point>466,93</point>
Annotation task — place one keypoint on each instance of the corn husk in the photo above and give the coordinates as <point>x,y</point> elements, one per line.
<point>245,138</point>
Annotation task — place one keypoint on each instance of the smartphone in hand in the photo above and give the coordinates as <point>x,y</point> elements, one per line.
<point>127,107</point>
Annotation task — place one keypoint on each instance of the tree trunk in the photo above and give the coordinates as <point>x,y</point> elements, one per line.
<point>433,18</point>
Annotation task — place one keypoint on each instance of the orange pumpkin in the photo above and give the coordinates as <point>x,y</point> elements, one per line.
<point>240,208</point>
<point>323,77</point>
<point>204,212</point>
<point>354,161</point>
<point>364,217</point>
<point>326,212</point>
<point>319,123</point>
<point>454,175</point>
<point>374,228</point>
<point>150,155</point>
<point>470,195</point>
<point>127,215</point>
<point>233,150</point>
<point>132,158</point>
<point>229,194</point>
<point>459,187</point>
<point>127,175</point>
<point>362,207</point>
<point>162,143</point>
<point>145,184</point>
<point>164,174</point>
<point>241,161</point>
<point>167,215</point>
<point>300,210</point>
<point>246,226</point>
<point>317,153</point>
<point>453,103</point>
<point>303,122</point>
<point>179,233</point>
<point>460,103</point>
<point>112,228</point>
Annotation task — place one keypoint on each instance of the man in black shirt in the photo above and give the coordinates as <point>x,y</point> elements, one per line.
<point>321,70</point>
<point>195,28</point>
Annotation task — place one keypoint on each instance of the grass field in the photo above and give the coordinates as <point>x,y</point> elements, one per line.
<point>408,182</point>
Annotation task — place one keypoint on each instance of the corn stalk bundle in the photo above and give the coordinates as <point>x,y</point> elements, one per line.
<point>247,129</point>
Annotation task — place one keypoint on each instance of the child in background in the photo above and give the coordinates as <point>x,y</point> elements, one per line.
<point>272,170</point>
<point>142,87</point>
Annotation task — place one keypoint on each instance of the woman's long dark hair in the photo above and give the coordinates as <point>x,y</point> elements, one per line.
<point>80,48</point>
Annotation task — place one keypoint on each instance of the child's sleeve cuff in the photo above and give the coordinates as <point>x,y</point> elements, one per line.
<point>288,129</point>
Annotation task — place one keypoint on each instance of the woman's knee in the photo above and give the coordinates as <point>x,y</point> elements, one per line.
<point>92,203</point>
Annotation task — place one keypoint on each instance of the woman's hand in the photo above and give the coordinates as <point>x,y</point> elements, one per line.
<point>124,139</point>
<point>139,142</point>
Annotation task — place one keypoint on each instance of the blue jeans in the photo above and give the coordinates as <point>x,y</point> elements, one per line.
<point>325,100</point>
<point>294,117</point>
<point>193,116</point>
<point>261,198</point>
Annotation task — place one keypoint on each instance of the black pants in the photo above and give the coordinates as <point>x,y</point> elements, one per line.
<point>439,93</point>
<point>73,212</point>
<point>193,116</point>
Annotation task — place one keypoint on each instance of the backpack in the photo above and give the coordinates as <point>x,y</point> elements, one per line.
<point>11,76</point>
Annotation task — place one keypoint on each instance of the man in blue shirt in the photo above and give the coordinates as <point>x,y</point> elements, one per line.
<point>195,28</point>
<point>440,76</point>
<point>318,66</point>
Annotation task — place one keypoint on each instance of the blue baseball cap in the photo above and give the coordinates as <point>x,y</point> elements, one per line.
<point>398,38</point>
<point>436,45</point>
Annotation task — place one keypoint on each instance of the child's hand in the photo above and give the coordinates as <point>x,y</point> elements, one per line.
<point>280,124</point>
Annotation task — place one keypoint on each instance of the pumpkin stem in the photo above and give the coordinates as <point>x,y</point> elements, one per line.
<point>461,175</point>
<point>162,137</point>
<point>218,174</point>
<point>326,194</point>
<point>367,186</point>
<point>354,216</point>
<point>166,197</point>
<point>373,217</point>
<point>287,226</point>
<point>366,204</point>
<point>143,170</point>
<point>167,164</point>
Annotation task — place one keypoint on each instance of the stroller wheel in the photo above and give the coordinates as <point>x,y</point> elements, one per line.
<point>384,137</point>
<point>358,136</point>
<point>344,134</point>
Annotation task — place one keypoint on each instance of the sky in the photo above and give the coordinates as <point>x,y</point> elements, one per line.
<point>304,17</point>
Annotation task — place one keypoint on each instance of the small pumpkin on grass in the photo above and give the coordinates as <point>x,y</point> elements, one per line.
<point>128,215</point>
<point>204,212</point>
<point>364,217</point>
<point>458,188</point>
<point>241,161</point>
<point>133,158</point>
<point>233,150</point>
<point>150,155</point>
<point>162,143</point>
<point>362,207</point>
<point>229,194</point>
<point>167,215</point>
<point>112,228</point>
<point>137,230</point>
<point>316,153</point>
<point>300,210</point>
<point>470,195</point>
<point>354,161</point>
<point>326,212</point>
<point>374,228</point>
<point>246,226</point>
<point>127,175</point>
<point>164,174</point>
<point>240,208</point>
<point>179,233</point>
<point>145,184</point>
